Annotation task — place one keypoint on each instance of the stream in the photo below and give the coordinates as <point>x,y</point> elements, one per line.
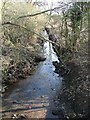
<point>35,95</point>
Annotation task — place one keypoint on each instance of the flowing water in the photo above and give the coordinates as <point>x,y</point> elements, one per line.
<point>35,95</point>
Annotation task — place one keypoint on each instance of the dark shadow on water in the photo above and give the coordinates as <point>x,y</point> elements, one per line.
<point>37,92</point>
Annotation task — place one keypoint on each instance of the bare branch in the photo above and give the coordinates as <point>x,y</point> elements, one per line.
<point>44,11</point>
<point>9,23</point>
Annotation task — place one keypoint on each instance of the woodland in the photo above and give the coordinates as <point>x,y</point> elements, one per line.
<point>68,28</point>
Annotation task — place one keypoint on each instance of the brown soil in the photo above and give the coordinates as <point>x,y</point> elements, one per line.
<point>75,90</point>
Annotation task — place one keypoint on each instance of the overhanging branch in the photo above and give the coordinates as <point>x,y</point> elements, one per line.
<point>32,15</point>
<point>9,23</point>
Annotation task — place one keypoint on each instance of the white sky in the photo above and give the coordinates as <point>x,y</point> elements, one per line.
<point>49,1</point>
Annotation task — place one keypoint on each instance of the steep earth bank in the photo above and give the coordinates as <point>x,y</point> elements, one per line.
<point>75,89</point>
<point>74,68</point>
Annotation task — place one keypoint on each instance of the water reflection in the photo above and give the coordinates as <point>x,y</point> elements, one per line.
<point>37,91</point>
<point>49,52</point>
